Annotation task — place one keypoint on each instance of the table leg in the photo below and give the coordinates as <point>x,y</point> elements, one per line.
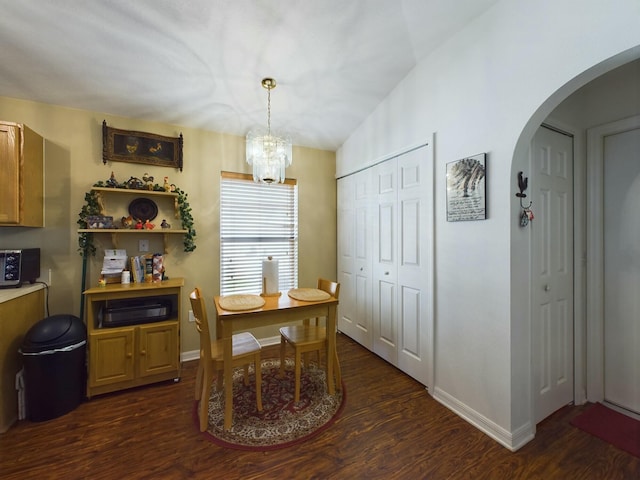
<point>228,374</point>
<point>331,348</point>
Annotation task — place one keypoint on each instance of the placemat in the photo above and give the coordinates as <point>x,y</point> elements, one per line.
<point>308,294</point>
<point>239,302</point>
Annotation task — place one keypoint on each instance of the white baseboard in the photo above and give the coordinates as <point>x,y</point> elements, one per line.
<point>511,440</point>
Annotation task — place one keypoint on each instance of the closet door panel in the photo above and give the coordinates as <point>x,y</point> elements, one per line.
<point>385,262</point>
<point>414,266</point>
<point>346,256</point>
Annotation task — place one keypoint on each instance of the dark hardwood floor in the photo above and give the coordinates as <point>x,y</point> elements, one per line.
<point>390,428</point>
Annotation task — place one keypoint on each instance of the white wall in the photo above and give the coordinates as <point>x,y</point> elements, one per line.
<point>487,90</point>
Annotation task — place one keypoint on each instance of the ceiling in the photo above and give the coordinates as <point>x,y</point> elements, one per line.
<point>199,63</point>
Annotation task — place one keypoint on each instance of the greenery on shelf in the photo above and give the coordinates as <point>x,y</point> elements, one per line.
<point>86,248</point>
<point>85,239</point>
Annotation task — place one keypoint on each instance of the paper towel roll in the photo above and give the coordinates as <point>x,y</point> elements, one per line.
<point>270,276</point>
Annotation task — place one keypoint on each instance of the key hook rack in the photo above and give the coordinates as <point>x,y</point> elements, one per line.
<point>526,215</point>
<point>522,185</point>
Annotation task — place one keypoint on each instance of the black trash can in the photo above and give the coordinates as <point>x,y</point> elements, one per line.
<point>54,356</point>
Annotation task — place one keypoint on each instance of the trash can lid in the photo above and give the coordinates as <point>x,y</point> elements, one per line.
<point>54,332</point>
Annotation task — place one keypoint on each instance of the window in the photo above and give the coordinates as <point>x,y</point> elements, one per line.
<point>257,221</point>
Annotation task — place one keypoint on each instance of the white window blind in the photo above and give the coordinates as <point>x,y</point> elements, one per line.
<point>257,221</point>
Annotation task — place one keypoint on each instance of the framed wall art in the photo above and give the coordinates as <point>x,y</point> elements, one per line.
<point>466,196</point>
<point>140,147</point>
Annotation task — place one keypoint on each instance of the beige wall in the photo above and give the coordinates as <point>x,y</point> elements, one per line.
<point>73,162</point>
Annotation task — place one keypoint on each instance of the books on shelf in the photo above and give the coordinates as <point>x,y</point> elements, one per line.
<point>137,268</point>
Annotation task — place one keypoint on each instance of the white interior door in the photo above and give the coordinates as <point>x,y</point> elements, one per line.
<point>414,265</point>
<point>552,267</point>
<point>346,256</point>
<point>385,262</point>
<point>355,257</point>
<point>621,217</point>
<point>363,326</point>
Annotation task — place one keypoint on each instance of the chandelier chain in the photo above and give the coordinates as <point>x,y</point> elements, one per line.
<point>269,110</point>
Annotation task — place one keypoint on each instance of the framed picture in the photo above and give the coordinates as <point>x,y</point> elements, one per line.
<point>466,198</point>
<point>140,147</point>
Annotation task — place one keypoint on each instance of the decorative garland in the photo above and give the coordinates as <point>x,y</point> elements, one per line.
<point>86,248</point>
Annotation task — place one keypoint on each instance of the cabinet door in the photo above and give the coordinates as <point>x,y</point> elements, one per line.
<point>111,357</point>
<point>9,174</point>
<point>158,348</point>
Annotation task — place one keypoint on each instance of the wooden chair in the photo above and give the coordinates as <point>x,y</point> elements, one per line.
<point>246,349</point>
<point>308,338</point>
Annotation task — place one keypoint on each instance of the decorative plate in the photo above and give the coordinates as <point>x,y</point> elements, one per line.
<point>143,209</point>
<point>309,294</point>
<point>239,302</point>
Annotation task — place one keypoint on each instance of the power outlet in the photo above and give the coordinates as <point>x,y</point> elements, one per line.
<point>191,317</point>
<point>143,245</point>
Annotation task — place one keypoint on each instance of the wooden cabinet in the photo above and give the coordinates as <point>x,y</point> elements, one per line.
<point>17,315</point>
<point>137,354</point>
<point>114,201</point>
<point>21,176</point>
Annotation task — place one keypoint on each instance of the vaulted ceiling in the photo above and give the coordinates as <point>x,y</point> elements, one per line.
<point>199,63</point>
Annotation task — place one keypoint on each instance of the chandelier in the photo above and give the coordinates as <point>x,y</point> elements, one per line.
<point>269,154</point>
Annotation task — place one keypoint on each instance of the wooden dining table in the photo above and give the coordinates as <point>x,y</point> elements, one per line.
<point>277,309</point>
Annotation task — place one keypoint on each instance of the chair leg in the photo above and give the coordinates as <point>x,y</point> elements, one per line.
<point>336,367</point>
<point>199,374</point>
<point>283,346</point>
<point>246,374</point>
<point>258,365</point>
<point>203,410</point>
<point>296,397</point>
<point>219,379</point>
<point>305,359</point>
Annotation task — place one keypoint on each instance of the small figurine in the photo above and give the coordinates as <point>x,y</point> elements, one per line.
<point>148,225</point>
<point>139,225</point>
<point>167,187</point>
<point>127,222</point>
<point>112,182</point>
<point>148,179</point>
<point>164,224</point>
<point>134,183</point>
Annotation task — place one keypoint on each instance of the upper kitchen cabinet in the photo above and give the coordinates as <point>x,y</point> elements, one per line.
<point>21,176</point>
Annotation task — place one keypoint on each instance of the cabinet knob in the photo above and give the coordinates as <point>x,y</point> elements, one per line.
<point>129,355</point>
<point>386,273</point>
<point>143,352</point>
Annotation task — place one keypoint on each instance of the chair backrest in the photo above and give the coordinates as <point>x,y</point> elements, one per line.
<point>202,323</point>
<point>332,288</point>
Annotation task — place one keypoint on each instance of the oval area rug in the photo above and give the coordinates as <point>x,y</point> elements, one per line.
<point>282,422</point>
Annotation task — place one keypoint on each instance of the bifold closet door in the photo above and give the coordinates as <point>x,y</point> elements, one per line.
<point>355,257</point>
<point>402,265</point>
<point>385,263</point>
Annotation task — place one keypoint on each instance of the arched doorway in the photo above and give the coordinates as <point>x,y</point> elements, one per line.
<point>575,107</point>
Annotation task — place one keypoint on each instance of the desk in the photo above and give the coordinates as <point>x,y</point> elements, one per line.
<point>282,309</point>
